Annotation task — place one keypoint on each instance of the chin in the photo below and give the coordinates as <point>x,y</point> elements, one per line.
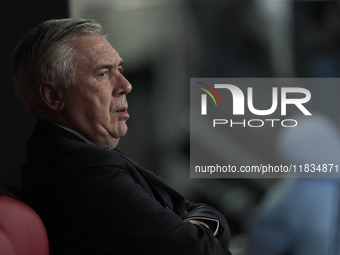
<point>122,130</point>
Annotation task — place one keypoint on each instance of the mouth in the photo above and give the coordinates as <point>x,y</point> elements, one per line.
<point>123,112</point>
<point>122,109</point>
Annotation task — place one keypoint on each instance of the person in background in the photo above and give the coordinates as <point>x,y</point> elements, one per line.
<point>301,216</point>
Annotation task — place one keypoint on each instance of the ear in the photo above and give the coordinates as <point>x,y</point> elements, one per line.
<point>52,96</point>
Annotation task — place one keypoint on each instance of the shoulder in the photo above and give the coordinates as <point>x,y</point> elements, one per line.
<point>68,151</point>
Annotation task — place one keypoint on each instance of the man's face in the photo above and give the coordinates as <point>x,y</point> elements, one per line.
<point>96,104</point>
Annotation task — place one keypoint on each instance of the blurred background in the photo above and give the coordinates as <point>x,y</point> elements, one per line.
<point>166,42</point>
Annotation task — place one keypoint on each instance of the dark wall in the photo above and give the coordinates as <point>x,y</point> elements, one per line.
<point>18,17</point>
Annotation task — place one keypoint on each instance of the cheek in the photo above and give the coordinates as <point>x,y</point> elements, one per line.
<point>98,99</point>
<point>91,98</point>
<point>102,95</point>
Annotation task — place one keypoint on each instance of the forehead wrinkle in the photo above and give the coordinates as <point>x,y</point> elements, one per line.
<point>97,56</point>
<point>105,57</point>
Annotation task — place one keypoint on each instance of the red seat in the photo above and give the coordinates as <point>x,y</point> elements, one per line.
<point>21,229</point>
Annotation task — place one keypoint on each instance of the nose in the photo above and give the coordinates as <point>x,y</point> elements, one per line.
<point>123,86</point>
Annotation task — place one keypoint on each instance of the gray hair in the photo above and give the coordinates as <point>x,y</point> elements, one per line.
<point>45,55</point>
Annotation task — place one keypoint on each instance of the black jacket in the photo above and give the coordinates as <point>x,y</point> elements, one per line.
<point>98,201</point>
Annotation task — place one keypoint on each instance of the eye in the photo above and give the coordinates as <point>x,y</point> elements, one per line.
<point>103,74</point>
<point>120,69</point>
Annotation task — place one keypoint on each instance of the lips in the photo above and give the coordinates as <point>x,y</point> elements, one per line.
<point>122,109</point>
<point>123,112</point>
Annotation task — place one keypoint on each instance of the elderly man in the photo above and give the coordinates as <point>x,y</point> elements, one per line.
<point>92,198</point>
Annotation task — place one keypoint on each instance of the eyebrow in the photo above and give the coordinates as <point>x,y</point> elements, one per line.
<point>111,66</point>
<point>105,67</point>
